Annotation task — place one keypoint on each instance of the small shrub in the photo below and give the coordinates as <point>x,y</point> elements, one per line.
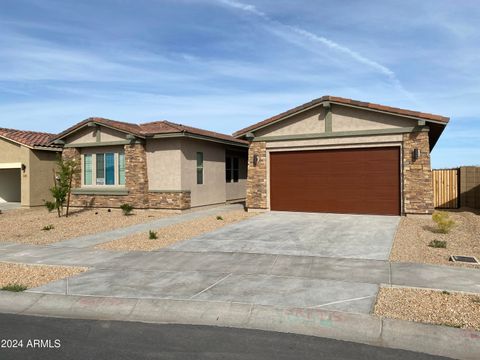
<point>219,217</point>
<point>50,205</point>
<point>476,300</point>
<point>445,292</point>
<point>14,287</point>
<point>458,326</point>
<point>443,221</point>
<point>126,208</point>
<point>1,212</point>
<point>438,244</point>
<point>152,235</point>
<point>48,227</point>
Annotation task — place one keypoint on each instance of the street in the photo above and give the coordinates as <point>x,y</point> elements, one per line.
<point>54,338</point>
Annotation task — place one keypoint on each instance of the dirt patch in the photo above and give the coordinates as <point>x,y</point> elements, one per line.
<point>25,225</point>
<point>34,275</point>
<point>174,233</point>
<point>429,306</point>
<point>415,233</point>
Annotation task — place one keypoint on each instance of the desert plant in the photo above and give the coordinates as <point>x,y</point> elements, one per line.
<point>62,179</point>
<point>219,217</point>
<point>152,235</point>
<point>48,227</point>
<point>14,287</point>
<point>438,244</point>
<point>127,209</point>
<point>445,292</point>
<point>443,221</point>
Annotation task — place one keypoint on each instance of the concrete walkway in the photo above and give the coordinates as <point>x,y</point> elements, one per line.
<point>102,237</point>
<point>5,206</point>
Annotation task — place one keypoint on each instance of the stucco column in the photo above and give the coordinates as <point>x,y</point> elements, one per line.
<point>417,174</point>
<point>257,176</point>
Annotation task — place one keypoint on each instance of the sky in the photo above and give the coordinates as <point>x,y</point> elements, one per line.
<point>226,64</point>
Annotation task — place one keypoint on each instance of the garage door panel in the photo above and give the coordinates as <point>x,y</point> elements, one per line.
<point>359,181</point>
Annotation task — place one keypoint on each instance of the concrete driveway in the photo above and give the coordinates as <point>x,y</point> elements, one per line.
<point>306,234</point>
<point>5,206</point>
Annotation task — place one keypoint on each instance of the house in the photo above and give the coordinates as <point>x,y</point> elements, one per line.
<point>342,156</point>
<point>27,162</point>
<point>153,165</point>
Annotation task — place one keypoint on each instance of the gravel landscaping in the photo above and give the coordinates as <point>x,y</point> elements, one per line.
<point>25,225</point>
<point>415,233</point>
<point>429,306</point>
<point>173,233</point>
<point>34,275</point>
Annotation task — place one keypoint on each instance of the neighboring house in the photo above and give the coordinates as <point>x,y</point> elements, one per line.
<point>27,162</point>
<point>342,156</point>
<point>153,165</point>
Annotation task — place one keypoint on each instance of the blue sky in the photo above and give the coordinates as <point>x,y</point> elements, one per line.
<point>224,64</point>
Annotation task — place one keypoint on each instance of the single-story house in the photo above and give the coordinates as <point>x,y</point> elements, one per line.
<point>342,156</point>
<point>153,165</point>
<point>27,162</point>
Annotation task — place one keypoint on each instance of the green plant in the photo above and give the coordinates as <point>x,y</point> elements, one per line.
<point>219,217</point>
<point>127,209</point>
<point>48,227</point>
<point>62,180</point>
<point>152,235</point>
<point>458,326</point>
<point>14,287</point>
<point>443,221</point>
<point>445,292</point>
<point>438,244</point>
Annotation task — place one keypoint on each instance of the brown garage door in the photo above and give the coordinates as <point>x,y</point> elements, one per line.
<point>351,181</point>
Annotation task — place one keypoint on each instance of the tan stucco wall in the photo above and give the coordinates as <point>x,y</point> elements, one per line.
<point>37,177</point>
<point>308,122</point>
<point>40,173</point>
<point>350,119</point>
<point>237,190</point>
<point>89,135</point>
<point>213,189</point>
<point>164,161</point>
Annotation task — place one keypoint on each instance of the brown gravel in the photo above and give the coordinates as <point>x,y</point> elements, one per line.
<point>416,232</point>
<point>34,275</point>
<point>429,306</point>
<point>25,225</point>
<point>174,233</point>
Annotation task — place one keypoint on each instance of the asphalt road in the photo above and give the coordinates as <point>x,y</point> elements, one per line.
<point>114,340</point>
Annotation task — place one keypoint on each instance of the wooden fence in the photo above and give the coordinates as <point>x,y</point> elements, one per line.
<point>470,186</point>
<point>454,188</point>
<point>445,189</point>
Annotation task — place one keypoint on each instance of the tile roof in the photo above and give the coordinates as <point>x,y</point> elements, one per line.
<point>339,100</point>
<point>30,139</point>
<point>150,129</point>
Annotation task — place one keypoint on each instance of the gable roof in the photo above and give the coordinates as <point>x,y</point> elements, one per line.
<point>151,129</point>
<point>349,102</point>
<point>30,139</point>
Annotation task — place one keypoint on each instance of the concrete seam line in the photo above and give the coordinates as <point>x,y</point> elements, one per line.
<point>341,301</point>
<point>273,265</point>
<point>32,305</point>
<point>211,286</point>
<point>390,273</point>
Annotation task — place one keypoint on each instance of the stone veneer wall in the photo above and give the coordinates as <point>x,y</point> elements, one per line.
<point>257,176</point>
<point>136,182</point>
<point>417,175</point>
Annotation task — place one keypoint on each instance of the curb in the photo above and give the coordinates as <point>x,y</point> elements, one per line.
<point>360,328</point>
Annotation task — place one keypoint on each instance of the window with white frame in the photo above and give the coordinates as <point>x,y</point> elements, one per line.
<point>104,169</point>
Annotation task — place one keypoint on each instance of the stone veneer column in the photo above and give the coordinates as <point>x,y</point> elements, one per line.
<point>257,176</point>
<point>417,175</point>
<point>74,154</point>
<point>136,176</point>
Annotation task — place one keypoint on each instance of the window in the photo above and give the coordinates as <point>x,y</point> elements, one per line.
<point>199,168</point>
<point>121,169</point>
<point>228,169</point>
<point>104,169</point>
<point>87,172</point>
<point>231,169</point>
